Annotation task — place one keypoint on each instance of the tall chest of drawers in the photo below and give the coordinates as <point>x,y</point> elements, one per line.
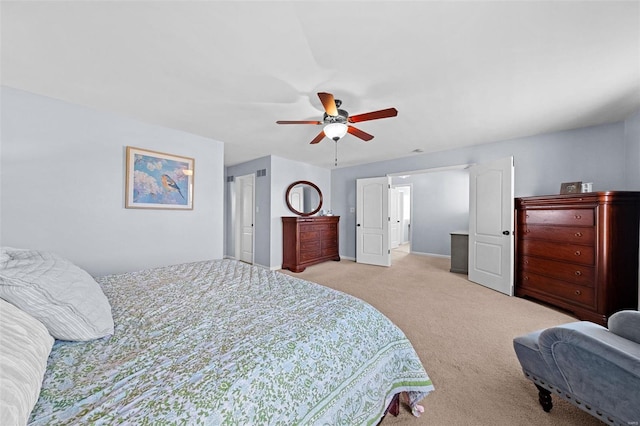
<point>579,252</point>
<point>309,240</point>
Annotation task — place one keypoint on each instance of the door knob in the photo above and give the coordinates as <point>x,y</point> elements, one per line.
<point>505,232</point>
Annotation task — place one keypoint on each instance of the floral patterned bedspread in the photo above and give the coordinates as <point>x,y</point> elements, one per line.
<point>222,342</point>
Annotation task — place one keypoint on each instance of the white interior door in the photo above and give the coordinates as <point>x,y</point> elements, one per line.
<point>372,221</point>
<point>394,218</point>
<point>296,198</point>
<point>246,216</point>
<point>491,225</point>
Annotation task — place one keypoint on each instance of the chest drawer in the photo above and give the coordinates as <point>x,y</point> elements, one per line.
<point>573,253</point>
<point>571,272</point>
<point>559,289</point>
<point>567,217</point>
<point>568,234</point>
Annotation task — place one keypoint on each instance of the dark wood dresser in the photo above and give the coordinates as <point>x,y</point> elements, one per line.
<point>579,252</point>
<point>309,240</point>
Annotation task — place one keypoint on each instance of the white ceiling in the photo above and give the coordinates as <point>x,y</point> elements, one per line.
<point>459,73</point>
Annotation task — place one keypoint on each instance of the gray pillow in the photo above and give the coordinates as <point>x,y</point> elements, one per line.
<point>63,297</point>
<point>25,345</point>
<point>626,324</point>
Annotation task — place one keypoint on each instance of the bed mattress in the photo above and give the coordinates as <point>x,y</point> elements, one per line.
<point>223,342</point>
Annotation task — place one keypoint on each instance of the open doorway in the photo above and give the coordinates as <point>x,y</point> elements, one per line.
<point>439,205</point>
<point>403,218</point>
<point>431,204</point>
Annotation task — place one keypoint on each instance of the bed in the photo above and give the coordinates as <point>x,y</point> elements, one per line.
<point>223,342</point>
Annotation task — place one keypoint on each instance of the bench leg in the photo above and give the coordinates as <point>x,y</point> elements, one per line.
<point>544,396</point>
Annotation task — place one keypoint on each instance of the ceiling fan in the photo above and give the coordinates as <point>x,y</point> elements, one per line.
<point>337,121</point>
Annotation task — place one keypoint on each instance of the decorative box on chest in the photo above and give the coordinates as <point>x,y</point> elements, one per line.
<point>309,240</point>
<point>579,252</point>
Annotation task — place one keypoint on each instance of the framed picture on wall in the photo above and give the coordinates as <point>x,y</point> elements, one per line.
<point>156,180</point>
<point>571,187</point>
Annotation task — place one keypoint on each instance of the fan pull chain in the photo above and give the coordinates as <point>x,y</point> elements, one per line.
<point>336,164</point>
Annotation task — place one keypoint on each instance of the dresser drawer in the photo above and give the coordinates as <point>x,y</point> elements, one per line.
<point>568,234</point>
<point>329,233</point>
<point>571,272</point>
<point>309,255</point>
<point>330,241</point>
<point>573,253</point>
<point>313,227</point>
<point>557,288</point>
<point>309,235</point>
<point>306,245</point>
<point>330,251</point>
<point>569,217</point>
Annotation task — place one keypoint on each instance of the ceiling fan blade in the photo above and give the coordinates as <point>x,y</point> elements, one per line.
<point>298,122</point>
<point>329,103</point>
<point>374,115</point>
<point>318,138</point>
<point>359,133</point>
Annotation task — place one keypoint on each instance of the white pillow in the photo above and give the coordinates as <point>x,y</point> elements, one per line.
<point>63,297</point>
<point>25,345</point>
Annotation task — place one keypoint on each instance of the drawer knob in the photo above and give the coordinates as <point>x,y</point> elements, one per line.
<point>526,278</point>
<point>527,230</point>
<point>578,234</point>
<point>578,216</point>
<point>577,253</point>
<point>526,262</point>
<point>578,292</point>
<point>578,273</point>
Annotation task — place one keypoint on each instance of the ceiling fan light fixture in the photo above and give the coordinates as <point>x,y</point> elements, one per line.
<point>335,131</point>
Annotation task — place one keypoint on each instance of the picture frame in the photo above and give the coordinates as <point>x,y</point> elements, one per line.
<point>571,187</point>
<point>157,180</point>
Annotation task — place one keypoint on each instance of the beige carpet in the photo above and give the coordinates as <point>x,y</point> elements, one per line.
<point>463,334</point>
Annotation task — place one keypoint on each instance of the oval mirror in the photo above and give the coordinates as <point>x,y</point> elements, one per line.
<point>304,198</point>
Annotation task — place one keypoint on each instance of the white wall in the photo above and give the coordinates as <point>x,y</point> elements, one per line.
<point>632,154</point>
<point>62,188</point>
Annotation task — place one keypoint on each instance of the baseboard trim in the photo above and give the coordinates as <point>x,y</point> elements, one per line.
<point>353,259</point>
<point>431,254</point>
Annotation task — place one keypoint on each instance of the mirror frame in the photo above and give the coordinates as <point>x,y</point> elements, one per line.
<point>303,182</point>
